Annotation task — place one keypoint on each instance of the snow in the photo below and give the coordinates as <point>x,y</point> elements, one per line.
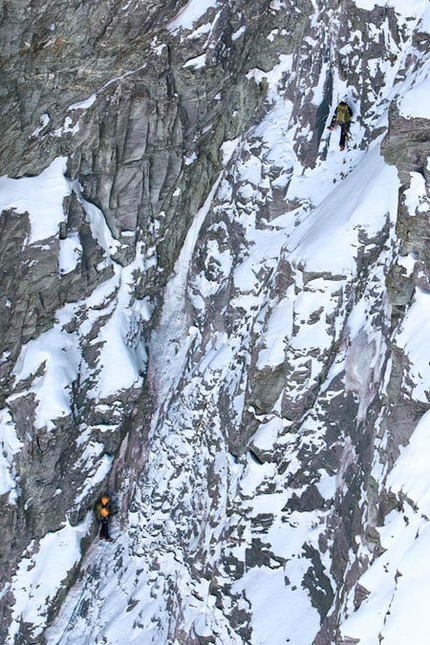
<point>267,593</point>
<point>267,434</point>
<point>70,253</point>
<point>415,195</point>
<point>414,102</point>
<point>289,280</point>
<point>197,62</point>
<point>85,104</point>
<point>326,239</point>
<point>192,11</point>
<point>97,221</point>
<point>397,606</point>
<point>122,357</point>
<point>281,614</point>
<point>413,339</point>
<point>274,338</point>
<point>55,358</point>
<point>44,120</point>
<point>10,446</point>
<point>237,34</point>
<point>41,572</point>
<point>425,22</point>
<point>406,7</point>
<point>41,197</point>
<point>228,148</point>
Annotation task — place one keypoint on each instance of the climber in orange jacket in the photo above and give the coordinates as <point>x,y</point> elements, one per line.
<point>103,511</point>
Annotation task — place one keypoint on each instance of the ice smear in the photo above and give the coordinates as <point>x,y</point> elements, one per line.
<point>174,331</point>
<point>171,341</point>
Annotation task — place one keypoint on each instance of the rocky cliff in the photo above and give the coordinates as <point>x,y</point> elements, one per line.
<point>216,316</point>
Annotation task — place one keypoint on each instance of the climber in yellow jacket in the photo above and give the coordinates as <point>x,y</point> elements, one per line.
<point>103,511</point>
<point>342,117</point>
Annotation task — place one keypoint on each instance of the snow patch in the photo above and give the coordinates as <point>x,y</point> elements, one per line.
<point>328,238</point>
<point>44,120</point>
<point>70,253</point>
<point>416,195</point>
<point>40,574</point>
<point>52,363</point>
<point>413,338</point>
<point>85,104</point>
<point>275,337</point>
<point>414,103</point>
<point>196,63</point>
<point>397,606</point>
<point>192,11</point>
<point>10,446</point>
<point>412,8</point>
<point>41,197</point>
<point>97,221</point>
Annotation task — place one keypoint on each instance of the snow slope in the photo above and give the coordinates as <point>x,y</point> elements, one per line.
<point>183,566</point>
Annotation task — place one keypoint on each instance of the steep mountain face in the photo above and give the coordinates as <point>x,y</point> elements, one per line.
<point>212,313</point>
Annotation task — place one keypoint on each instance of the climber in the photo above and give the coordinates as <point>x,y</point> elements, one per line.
<point>342,117</point>
<point>103,511</point>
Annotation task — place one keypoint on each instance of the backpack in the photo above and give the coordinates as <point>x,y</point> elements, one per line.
<point>343,114</point>
<point>101,510</point>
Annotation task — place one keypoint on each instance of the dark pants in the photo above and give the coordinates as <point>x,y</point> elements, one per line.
<point>104,529</point>
<point>344,129</point>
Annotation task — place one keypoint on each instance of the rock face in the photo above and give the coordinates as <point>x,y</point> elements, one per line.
<point>204,312</point>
